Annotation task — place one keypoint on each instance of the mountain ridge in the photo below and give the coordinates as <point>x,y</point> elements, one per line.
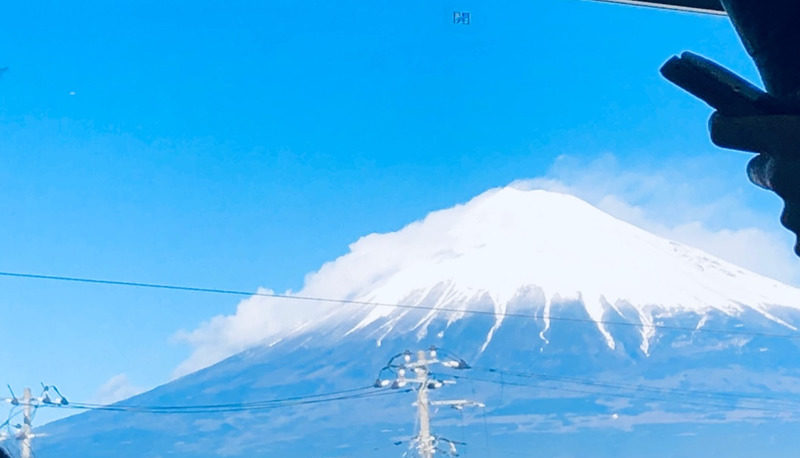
<point>492,264</point>
<point>583,254</point>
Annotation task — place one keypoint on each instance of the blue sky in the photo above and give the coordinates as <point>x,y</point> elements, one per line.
<point>243,144</point>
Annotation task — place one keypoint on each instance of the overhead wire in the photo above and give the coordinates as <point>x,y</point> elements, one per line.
<point>631,395</point>
<point>163,286</point>
<point>485,422</point>
<point>243,407</point>
<point>639,387</point>
<point>237,404</point>
<point>629,391</point>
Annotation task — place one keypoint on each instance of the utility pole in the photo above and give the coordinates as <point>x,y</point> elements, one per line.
<point>404,371</point>
<point>29,404</point>
<point>26,433</point>
<point>425,440</point>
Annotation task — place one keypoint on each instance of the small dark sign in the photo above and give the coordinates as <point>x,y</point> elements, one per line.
<point>461,17</point>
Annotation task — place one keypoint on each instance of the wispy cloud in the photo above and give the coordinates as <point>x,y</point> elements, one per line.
<point>257,320</point>
<point>688,201</point>
<point>691,201</point>
<point>115,389</point>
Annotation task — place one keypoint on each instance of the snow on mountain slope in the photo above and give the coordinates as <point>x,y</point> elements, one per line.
<point>498,246</point>
<point>533,253</point>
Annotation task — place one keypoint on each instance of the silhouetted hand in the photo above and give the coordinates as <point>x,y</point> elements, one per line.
<point>776,139</point>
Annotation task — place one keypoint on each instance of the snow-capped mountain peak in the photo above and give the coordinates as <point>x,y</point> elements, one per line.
<point>508,249</point>
<point>508,242</point>
<point>540,256</point>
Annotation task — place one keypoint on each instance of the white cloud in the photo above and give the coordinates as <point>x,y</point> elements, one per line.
<point>115,389</point>
<point>691,201</point>
<point>257,319</point>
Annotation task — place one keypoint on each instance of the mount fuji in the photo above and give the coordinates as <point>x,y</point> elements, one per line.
<point>587,336</point>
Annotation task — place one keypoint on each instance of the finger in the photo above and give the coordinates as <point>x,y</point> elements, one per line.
<point>790,218</point>
<point>777,135</point>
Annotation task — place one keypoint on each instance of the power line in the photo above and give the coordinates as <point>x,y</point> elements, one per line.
<point>639,387</point>
<point>28,404</point>
<point>61,402</point>
<point>632,395</point>
<point>243,407</point>
<point>741,332</point>
<point>230,405</point>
